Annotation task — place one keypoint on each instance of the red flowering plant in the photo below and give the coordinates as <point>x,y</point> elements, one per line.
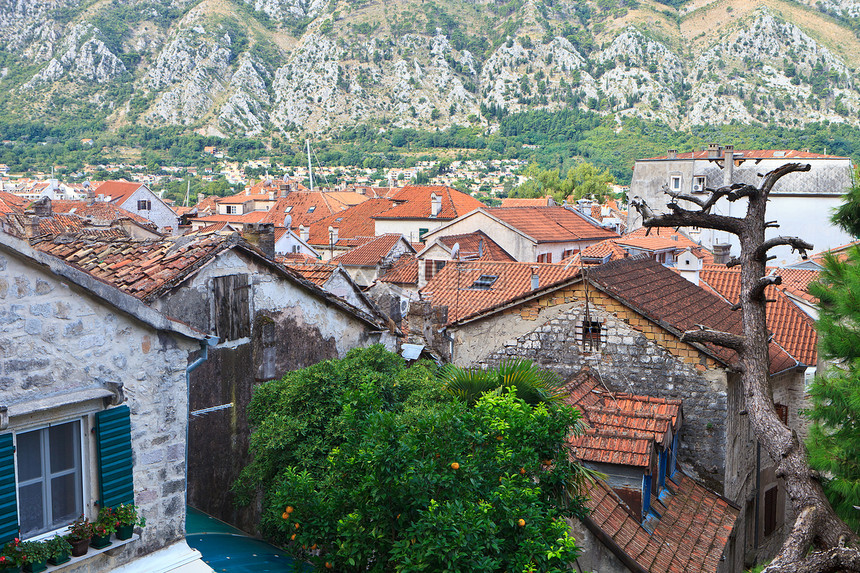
<point>10,555</point>
<point>34,552</point>
<point>106,522</point>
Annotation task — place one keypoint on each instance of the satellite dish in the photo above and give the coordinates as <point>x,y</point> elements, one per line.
<point>455,251</point>
<point>288,220</point>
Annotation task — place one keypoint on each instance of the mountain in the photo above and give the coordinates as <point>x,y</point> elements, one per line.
<point>234,67</point>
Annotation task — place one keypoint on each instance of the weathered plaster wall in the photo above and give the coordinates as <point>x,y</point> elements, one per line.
<point>595,557</point>
<point>290,329</point>
<point>56,339</point>
<point>636,356</point>
<point>519,247</point>
<point>160,214</point>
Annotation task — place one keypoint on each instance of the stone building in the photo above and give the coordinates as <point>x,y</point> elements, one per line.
<point>84,364</point>
<point>269,320</point>
<point>624,320</point>
<point>138,199</point>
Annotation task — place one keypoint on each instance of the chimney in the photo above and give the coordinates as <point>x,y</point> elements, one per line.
<point>200,197</point>
<point>332,233</point>
<point>435,205</point>
<point>284,188</point>
<point>271,195</point>
<point>262,235</point>
<point>713,151</point>
<point>728,164</point>
<point>481,248</point>
<point>688,266</point>
<point>31,226</point>
<point>42,207</point>
<point>304,233</point>
<point>673,154</point>
<point>535,281</point>
<point>721,253</point>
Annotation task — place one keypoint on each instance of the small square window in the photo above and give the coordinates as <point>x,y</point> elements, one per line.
<point>675,183</point>
<point>591,334</point>
<point>312,208</point>
<point>484,282</point>
<point>144,205</point>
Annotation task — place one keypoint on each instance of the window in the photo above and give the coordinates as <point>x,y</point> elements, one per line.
<point>568,252</point>
<point>675,183</point>
<point>782,413</point>
<point>312,208</point>
<point>297,248</point>
<point>144,205</point>
<point>50,493</point>
<point>232,209</point>
<point>545,258</point>
<point>591,332</point>
<point>421,233</point>
<point>484,282</point>
<point>431,267</point>
<point>288,209</point>
<point>770,499</point>
<point>45,471</point>
<point>232,307</point>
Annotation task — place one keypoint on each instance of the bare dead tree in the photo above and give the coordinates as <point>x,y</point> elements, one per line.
<point>819,541</point>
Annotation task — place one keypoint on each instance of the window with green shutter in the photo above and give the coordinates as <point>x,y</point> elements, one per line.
<point>113,431</point>
<point>8,498</point>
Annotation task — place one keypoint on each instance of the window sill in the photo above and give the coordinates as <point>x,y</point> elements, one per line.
<point>93,552</point>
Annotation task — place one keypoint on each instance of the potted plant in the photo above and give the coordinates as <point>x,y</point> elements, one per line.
<point>10,557</point>
<point>104,525</point>
<point>34,556</point>
<point>127,517</point>
<point>80,533</point>
<point>58,550</point>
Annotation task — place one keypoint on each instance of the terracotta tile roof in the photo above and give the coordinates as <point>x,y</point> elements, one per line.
<point>753,154</point>
<point>470,245</point>
<point>680,238</point>
<point>663,296</point>
<point>840,252</point>
<point>551,224</point>
<point>792,328</point>
<point>353,222</point>
<point>796,282</point>
<point>403,271</point>
<point>139,268</point>
<point>100,211</point>
<point>213,228</point>
<point>413,202</point>
<point>689,537</point>
<point>596,254</point>
<point>370,253</point>
<point>117,192</point>
<point>10,203</point>
<point>303,207</point>
<point>614,447</point>
<point>252,217</point>
<point>296,258</point>
<point>451,286</point>
<point>517,202</point>
<point>318,273</point>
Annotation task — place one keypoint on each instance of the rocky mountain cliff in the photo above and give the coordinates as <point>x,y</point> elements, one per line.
<point>260,66</point>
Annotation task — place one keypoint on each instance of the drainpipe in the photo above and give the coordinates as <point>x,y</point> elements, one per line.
<point>204,346</point>
<point>757,491</point>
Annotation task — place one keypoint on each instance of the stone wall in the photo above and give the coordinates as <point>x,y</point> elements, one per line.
<point>291,328</point>
<point>61,348</point>
<point>635,355</point>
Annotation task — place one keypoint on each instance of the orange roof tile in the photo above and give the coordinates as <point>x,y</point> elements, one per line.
<point>551,224</point>
<point>10,203</point>
<point>796,282</point>
<point>252,217</point>
<point>118,192</point>
<point>451,286</point>
<point>792,328</point>
<point>99,211</point>
<point>352,222</point>
<point>471,244</point>
<point>413,202</point>
<point>303,207</point>
<point>518,202</point>
<point>316,272</point>
<point>403,271</point>
<point>370,253</point>
<point>691,534</point>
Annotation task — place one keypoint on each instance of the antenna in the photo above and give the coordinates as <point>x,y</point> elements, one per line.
<point>288,220</point>
<point>187,192</point>
<point>455,251</point>
<point>310,167</point>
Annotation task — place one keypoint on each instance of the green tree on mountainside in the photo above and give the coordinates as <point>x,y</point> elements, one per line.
<point>582,181</point>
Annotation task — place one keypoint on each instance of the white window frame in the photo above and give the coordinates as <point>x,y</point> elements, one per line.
<point>675,182</point>
<point>87,487</point>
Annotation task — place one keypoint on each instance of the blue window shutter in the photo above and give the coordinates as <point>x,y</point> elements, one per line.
<point>646,495</point>
<point>8,491</point>
<point>661,480</point>
<point>113,431</point>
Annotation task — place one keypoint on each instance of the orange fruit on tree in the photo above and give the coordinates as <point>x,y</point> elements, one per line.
<point>297,526</point>
<point>523,471</point>
<point>455,466</point>
<point>314,546</point>
<point>521,523</point>
<point>285,515</point>
<point>289,509</point>
<point>328,565</point>
<point>293,537</point>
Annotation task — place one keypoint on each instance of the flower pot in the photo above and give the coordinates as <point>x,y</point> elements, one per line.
<point>80,547</point>
<point>61,558</point>
<point>16,569</point>
<point>124,532</point>
<point>35,567</point>
<point>100,541</point>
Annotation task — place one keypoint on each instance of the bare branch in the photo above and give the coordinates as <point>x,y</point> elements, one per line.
<point>733,262</point>
<point>796,244</point>
<point>684,218</point>
<point>684,197</point>
<point>757,291</point>
<point>801,536</point>
<point>744,191</point>
<point>771,178</point>
<point>706,335</point>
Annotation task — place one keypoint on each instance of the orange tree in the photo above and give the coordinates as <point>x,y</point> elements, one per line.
<point>431,484</point>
